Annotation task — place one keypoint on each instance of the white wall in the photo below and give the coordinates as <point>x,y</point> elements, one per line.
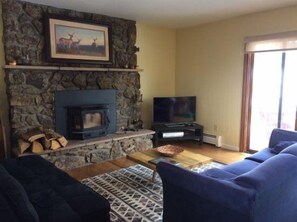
<point>209,64</point>
<point>157,58</point>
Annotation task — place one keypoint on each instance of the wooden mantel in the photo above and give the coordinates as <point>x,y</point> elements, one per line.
<point>68,68</point>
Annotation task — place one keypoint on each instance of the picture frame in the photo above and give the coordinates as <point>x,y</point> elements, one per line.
<point>71,40</point>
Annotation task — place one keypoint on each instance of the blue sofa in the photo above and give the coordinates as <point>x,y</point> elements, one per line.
<point>33,189</point>
<point>260,188</point>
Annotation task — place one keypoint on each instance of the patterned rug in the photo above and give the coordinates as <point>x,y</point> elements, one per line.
<point>131,193</point>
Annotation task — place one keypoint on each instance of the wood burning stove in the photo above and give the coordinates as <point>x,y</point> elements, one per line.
<point>83,100</point>
<point>87,121</point>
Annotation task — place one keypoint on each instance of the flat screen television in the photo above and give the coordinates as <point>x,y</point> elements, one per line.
<point>174,109</point>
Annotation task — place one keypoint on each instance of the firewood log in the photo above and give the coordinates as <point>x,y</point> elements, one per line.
<point>41,139</point>
<point>45,142</point>
<point>51,135</point>
<point>37,147</point>
<point>23,145</point>
<point>55,144</point>
<point>33,134</point>
<point>63,141</point>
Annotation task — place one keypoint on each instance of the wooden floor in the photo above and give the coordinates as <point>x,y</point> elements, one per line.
<point>217,154</point>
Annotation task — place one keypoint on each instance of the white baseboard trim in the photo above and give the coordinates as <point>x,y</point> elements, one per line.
<point>225,146</point>
<point>230,147</point>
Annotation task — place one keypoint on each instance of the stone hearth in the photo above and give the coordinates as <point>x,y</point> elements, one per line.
<point>80,153</point>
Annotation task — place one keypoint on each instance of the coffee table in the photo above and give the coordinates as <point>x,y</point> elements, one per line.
<point>186,159</point>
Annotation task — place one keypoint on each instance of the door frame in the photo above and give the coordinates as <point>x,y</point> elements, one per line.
<point>247,92</point>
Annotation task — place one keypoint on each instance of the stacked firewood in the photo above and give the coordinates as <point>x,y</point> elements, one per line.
<point>37,140</point>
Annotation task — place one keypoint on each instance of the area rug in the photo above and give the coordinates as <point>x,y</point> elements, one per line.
<point>131,193</point>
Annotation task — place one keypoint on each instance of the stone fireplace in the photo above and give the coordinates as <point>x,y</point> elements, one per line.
<point>33,83</point>
<point>31,91</point>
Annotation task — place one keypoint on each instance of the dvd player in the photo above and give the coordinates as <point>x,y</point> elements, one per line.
<point>172,134</point>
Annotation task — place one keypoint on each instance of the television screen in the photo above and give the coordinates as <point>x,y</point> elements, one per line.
<point>174,109</point>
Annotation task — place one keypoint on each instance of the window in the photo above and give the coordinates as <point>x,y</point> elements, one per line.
<point>274,95</point>
<point>269,92</point>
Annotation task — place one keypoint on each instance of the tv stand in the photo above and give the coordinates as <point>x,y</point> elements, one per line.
<point>174,124</point>
<point>177,131</point>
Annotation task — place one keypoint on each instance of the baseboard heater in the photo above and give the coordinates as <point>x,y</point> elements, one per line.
<point>212,139</point>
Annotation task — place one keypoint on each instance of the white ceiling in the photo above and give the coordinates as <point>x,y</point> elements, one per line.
<point>170,13</point>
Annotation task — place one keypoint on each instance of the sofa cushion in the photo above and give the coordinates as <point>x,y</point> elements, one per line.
<point>291,149</point>
<point>241,167</point>
<point>16,199</point>
<point>281,145</point>
<point>261,155</point>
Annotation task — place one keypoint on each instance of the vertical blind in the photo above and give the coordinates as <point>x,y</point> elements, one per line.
<point>271,42</point>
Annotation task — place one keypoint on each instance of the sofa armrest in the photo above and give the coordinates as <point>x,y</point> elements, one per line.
<point>222,192</point>
<point>15,199</point>
<point>54,194</point>
<point>278,135</point>
<point>277,169</point>
<point>275,184</point>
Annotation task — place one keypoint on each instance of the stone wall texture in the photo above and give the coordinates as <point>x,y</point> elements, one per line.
<point>30,92</point>
<point>96,153</point>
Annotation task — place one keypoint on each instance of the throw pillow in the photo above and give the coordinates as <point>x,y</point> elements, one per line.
<point>280,146</point>
<point>291,149</point>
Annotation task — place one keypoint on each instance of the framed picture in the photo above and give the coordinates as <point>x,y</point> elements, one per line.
<point>76,40</point>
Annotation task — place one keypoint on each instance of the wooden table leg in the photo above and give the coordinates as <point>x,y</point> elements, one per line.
<point>154,175</point>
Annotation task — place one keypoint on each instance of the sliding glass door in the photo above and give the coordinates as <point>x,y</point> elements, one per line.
<point>289,98</point>
<point>274,95</point>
